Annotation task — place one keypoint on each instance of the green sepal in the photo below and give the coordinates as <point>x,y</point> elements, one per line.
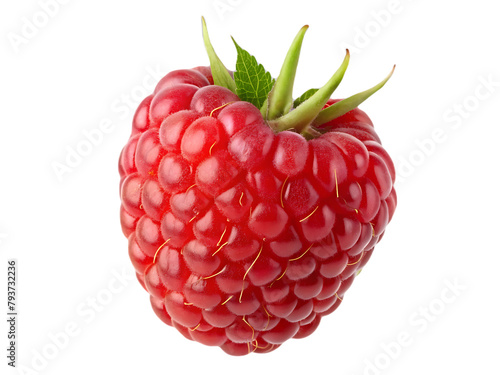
<point>301,117</point>
<point>220,74</point>
<point>342,107</point>
<point>301,99</point>
<point>280,98</point>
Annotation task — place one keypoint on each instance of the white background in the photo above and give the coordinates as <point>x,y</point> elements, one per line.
<point>89,62</point>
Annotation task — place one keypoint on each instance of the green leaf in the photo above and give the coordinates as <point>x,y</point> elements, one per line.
<point>301,99</point>
<point>253,82</point>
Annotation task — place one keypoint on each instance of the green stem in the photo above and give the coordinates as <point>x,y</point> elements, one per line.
<point>342,107</point>
<point>219,72</point>
<point>302,116</point>
<point>280,99</point>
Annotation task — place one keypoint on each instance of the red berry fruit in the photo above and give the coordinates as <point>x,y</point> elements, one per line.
<point>248,214</point>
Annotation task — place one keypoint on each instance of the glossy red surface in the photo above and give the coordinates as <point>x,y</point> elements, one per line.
<point>245,238</point>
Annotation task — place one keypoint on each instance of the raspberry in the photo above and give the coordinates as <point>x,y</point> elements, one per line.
<point>245,229</point>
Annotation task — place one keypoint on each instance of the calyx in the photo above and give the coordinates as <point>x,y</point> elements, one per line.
<point>278,110</point>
